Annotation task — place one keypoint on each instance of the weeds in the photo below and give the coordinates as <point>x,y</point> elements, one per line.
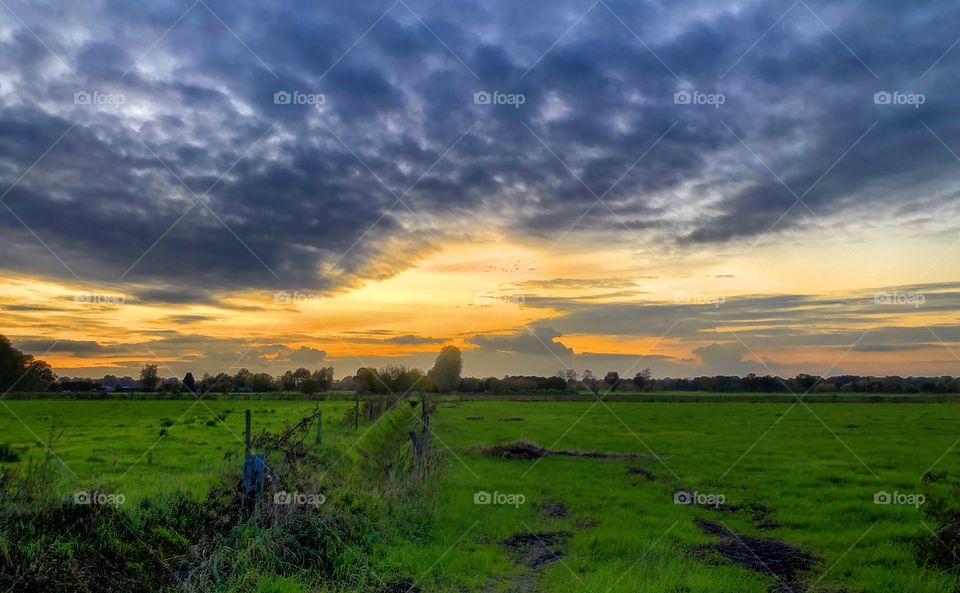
<point>328,535</point>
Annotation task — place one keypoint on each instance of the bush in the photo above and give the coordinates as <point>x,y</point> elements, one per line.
<point>8,454</point>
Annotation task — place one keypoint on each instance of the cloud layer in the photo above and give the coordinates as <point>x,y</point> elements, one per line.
<point>198,177</point>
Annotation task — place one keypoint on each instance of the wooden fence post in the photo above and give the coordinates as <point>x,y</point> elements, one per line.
<point>425,420</point>
<point>415,441</point>
<point>319,440</point>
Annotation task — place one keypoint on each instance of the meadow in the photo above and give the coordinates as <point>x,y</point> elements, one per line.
<point>140,448</point>
<point>785,495</point>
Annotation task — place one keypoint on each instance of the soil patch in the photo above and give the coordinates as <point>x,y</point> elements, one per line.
<point>759,513</point>
<point>402,586</point>
<point>517,450</point>
<point>768,556</point>
<point>644,473</point>
<point>528,450</point>
<point>556,509</point>
<point>535,549</point>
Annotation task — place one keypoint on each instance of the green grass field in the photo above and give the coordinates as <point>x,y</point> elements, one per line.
<point>143,447</point>
<point>803,476</point>
<point>816,470</point>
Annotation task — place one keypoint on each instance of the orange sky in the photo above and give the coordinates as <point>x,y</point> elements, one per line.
<point>495,288</point>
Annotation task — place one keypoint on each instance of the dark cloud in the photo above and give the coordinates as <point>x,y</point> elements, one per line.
<point>75,347</point>
<point>733,358</point>
<point>411,340</point>
<point>291,190</point>
<point>536,340</point>
<point>579,283</point>
<point>304,355</point>
<point>188,319</point>
<point>177,353</point>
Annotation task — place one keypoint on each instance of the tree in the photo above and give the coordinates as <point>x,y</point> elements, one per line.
<point>310,386</point>
<point>445,374</point>
<point>397,379</point>
<point>556,384</point>
<point>22,371</point>
<point>149,377</point>
<point>612,379</point>
<point>367,379</point>
<point>324,378</point>
<point>242,378</point>
<point>11,364</point>
<point>261,382</point>
<point>292,380</point>
<point>38,376</point>
<point>641,378</point>
<point>189,383</point>
<point>589,381</point>
<point>222,383</point>
<point>171,385</point>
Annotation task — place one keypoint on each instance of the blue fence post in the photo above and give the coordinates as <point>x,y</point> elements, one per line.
<point>254,469</point>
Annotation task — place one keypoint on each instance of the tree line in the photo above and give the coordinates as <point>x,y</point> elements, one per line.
<point>24,372</point>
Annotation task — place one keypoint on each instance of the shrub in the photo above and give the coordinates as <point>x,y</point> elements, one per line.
<point>8,454</point>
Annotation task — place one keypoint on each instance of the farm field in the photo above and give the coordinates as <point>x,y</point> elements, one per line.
<point>139,448</point>
<point>810,481</point>
<point>790,488</point>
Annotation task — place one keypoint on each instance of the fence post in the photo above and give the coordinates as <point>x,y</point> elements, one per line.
<point>246,433</point>
<point>254,469</point>
<point>425,419</point>
<point>319,440</point>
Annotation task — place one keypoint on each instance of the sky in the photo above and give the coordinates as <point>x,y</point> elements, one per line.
<point>695,187</point>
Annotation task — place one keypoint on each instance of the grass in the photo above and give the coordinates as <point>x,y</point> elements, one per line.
<point>142,448</point>
<point>815,469</point>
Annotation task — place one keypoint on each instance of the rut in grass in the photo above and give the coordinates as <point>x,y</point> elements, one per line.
<point>769,556</point>
<point>535,549</point>
<point>530,450</point>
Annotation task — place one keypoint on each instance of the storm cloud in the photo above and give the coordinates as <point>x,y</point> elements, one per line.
<point>239,144</point>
